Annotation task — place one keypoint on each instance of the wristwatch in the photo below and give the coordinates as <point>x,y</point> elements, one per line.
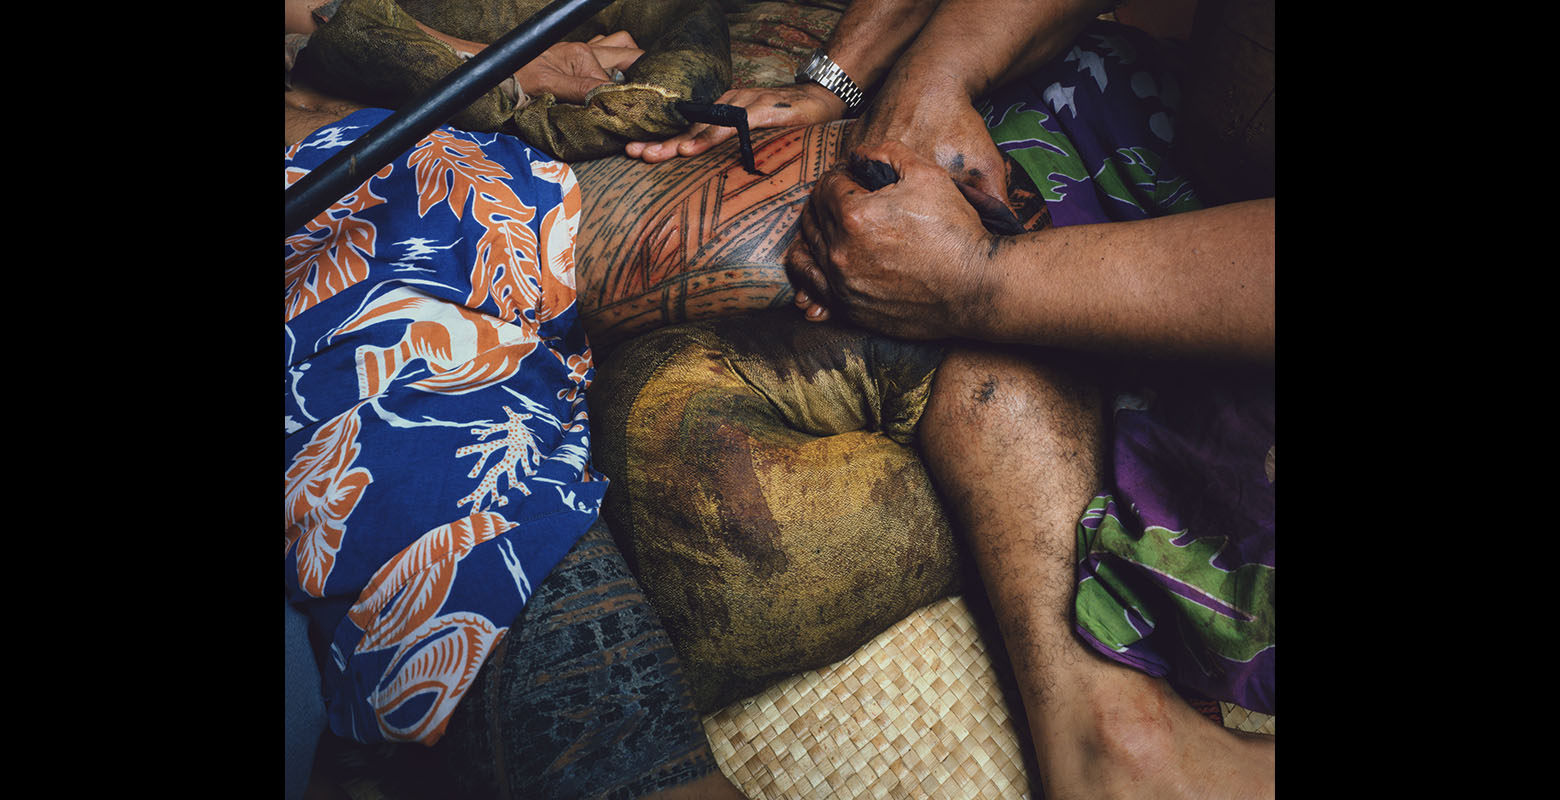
<point>823,71</point>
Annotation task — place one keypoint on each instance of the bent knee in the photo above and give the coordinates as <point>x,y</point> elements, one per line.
<point>994,399</point>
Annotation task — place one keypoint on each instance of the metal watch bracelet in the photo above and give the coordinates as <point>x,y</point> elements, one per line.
<point>822,70</point>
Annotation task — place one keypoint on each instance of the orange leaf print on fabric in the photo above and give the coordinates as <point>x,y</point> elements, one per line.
<point>494,366</point>
<point>452,170</point>
<point>322,489</point>
<point>456,646</point>
<point>579,367</point>
<point>560,227</point>
<point>320,266</point>
<point>465,350</point>
<point>425,569</point>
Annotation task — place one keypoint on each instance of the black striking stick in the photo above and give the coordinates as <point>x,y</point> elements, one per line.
<point>345,171</point>
<point>727,117</point>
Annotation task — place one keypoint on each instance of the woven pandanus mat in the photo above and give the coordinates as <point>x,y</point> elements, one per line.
<point>917,712</point>
<point>1244,719</point>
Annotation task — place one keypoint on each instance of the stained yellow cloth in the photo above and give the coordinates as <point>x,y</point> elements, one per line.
<point>371,51</point>
<point>766,490</point>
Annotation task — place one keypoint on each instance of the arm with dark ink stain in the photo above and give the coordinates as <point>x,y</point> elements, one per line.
<point>912,259</point>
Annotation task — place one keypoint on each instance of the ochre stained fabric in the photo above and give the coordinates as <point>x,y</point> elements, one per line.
<point>766,490</point>
<point>371,51</point>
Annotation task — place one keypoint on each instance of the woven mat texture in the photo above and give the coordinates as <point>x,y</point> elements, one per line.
<point>918,712</point>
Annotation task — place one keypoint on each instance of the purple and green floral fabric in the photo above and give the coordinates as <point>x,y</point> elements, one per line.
<point>1176,557</point>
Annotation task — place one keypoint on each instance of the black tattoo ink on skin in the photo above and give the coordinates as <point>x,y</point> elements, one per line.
<point>987,389</point>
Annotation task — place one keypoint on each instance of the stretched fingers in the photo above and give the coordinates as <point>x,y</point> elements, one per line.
<point>616,58</point>
<point>801,267</point>
<point>567,70</point>
<point>615,51</point>
<point>679,145</point>
<point>573,88</point>
<point>614,39</point>
<point>771,107</point>
<point>698,138</point>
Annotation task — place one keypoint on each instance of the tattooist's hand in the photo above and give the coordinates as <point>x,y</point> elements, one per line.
<point>903,260</point>
<point>938,125</point>
<point>774,107</point>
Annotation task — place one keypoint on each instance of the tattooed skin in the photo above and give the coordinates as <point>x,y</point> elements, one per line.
<point>693,238</point>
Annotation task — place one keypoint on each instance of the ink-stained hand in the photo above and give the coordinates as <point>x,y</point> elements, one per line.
<point>569,70</point>
<point>772,107</point>
<point>904,260</point>
<point>940,125</point>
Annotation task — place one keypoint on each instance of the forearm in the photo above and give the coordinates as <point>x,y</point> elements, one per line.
<point>307,111</point>
<point>1197,284</point>
<point>298,15</point>
<point>462,46</point>
<point>873,33</point>
<point>969,47</point>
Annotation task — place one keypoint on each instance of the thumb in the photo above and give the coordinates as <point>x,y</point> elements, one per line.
<point>984,170</point>
<point>574,88</point>
<point>912,168</point>
<point>990,180</point>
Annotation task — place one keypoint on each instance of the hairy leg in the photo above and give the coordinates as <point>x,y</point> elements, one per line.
<point>693,238</point>
<point>1017,450</point>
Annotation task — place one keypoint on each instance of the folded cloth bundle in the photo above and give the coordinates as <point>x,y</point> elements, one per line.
<point>767,493</point>
<point>371,51</point>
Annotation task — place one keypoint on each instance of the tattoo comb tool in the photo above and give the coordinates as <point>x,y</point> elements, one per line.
<point>726,116</point>
<point>997,217</point>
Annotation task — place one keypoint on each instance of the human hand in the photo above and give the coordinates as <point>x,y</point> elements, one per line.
<point>942,126</point>
<point>773,107</point>
<point>569,70</point>
<point>903,260</point>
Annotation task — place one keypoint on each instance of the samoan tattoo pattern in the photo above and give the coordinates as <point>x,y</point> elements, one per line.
<point>694,238</point>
